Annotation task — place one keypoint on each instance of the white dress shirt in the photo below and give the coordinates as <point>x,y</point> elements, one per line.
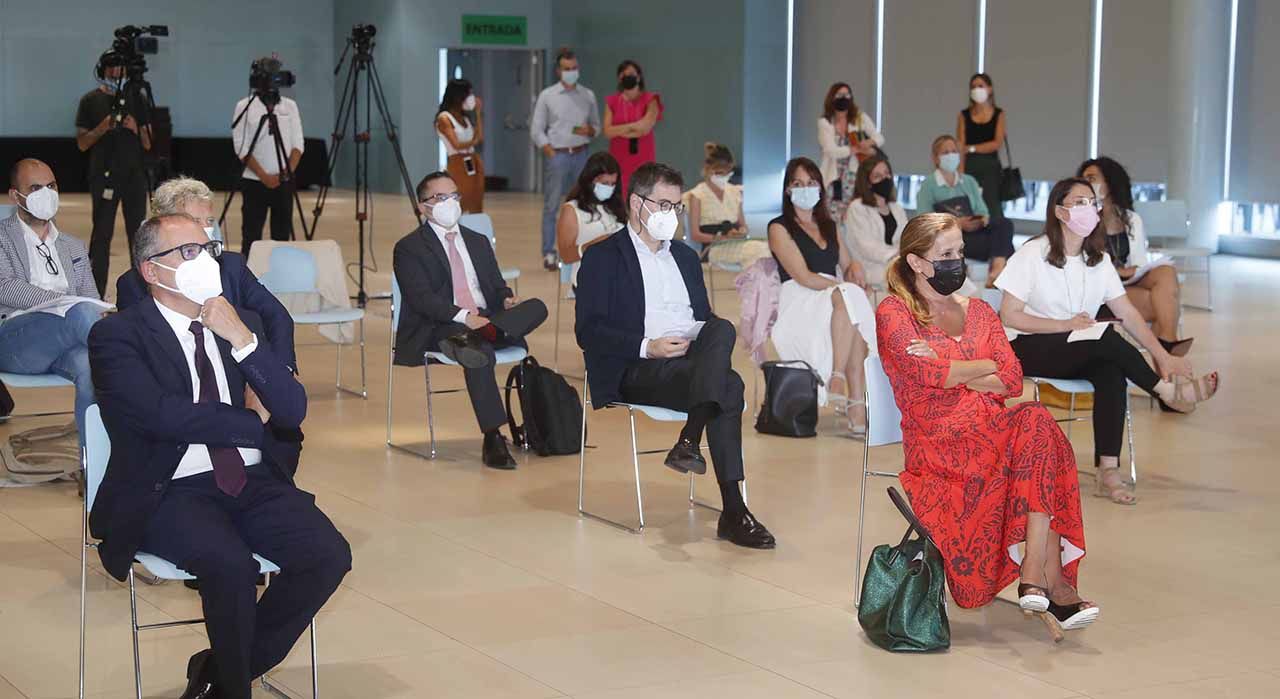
<point>196,459</point>
<point>667,311</point>
<point>39,274</point>
<point>473,282</point>
<point>264,150</point>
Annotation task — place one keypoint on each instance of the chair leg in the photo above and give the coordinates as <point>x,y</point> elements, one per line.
<point>364,382</point>
<point>635,461</point>
<point>555,357</point>
<point>862,510</point>
<point>84,565</point>
<point>582,451</point>
<point>431,422</point>
<point>391,367</point>
<point>133,626</point>
<point>1133,460</point>
<point>1071,416</point>
<point>315,664</point>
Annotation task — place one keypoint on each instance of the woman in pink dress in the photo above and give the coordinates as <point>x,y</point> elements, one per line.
<point>629,117</point>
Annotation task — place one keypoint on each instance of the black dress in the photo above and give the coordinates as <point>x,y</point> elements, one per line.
<point>818,260</point>
<point>984,167</point>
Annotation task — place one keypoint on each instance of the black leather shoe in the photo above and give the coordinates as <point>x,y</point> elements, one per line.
<point>464,348</point>
<point>685,456</point>
<point>200,677</point>
<point>495,453</point>
<point>744,530</point>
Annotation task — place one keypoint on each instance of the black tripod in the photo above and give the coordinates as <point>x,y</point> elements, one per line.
<point>133,96</point>
<point>268,120</point>
<point>349,114</point>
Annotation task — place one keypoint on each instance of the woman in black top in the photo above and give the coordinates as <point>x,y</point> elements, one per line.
<point>980,129</point>
<point>824,317</point>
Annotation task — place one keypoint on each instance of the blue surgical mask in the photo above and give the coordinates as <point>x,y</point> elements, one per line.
<point>107,83</point>
<point>805,198</point>
<point>214,232</point>
<point>949,162</point>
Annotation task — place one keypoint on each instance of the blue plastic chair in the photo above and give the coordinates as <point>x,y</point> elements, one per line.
<point>505,355</point>
<point>97,452</point>
<point>655,413</point>
<point>482,224</point>
<point>884,427</point>
<point>563,281</point>
<point>293,271</point>
<point>34,381</point>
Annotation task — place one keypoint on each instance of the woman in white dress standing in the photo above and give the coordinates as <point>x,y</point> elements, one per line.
<point>824,317</point>
<point>874,221</point>
<point>592,211</point>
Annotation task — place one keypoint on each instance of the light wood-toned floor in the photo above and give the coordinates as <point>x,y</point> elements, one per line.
<point>470,582</point>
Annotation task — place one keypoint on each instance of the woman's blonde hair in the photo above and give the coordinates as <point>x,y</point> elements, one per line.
<point>918,236</point>
<point>716,154</point>
<point>172,196</point>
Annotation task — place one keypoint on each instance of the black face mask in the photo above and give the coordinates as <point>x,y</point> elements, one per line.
<point>627,82</point>
<point>884,188</point>
<point>842,104</point>
<point>948,276</point>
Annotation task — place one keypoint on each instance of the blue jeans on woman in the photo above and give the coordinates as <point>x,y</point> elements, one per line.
<point>44,343</point>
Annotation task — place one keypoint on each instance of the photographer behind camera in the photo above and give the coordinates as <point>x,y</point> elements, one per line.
<point>265,183</point>
<point>115,132</point>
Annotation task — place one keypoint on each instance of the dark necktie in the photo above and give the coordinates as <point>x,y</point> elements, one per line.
<point>228,465</point>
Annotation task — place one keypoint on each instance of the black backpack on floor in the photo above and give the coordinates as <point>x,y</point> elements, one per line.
<point>550,407</point>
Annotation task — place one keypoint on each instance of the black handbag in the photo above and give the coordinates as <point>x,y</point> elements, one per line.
<point>1010,178</point>
<point>790,407</point>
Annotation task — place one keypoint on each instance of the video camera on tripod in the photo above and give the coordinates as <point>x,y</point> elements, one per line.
<point>128,51</point>
<point>266,77</point>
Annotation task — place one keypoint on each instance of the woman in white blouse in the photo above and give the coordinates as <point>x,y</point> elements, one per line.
<point>592,211</point>
<point>1155,290</point>
<point>874,220</point>
<point>847,136</point>
<point>1053,287</point>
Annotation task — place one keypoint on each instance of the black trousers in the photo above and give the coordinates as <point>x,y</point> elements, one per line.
<point>213,536</point>
<point>993,240</point>
<point>1106,363</point>
<point>255,200</point>
<point>129,190</point>
<point>482,385</point>
<point>704,375</point>
<point>987,170</point>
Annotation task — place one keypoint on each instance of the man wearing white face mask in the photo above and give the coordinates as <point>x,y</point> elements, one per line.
<point>48,298</point>
<point>456,302</point>
<point>646,329</point>
<point>565,119</point>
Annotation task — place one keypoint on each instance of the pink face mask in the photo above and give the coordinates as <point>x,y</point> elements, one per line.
<point>1083,220</point>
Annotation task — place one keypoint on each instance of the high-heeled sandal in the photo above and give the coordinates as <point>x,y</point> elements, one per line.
<point>856,431</point>
<point>1032,598</point>
<point>839,401</point>
<point>1074,616</point>
<point>1202,389</point>
<point>1120,493</point>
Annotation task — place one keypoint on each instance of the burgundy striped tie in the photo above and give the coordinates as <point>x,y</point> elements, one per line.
<point>228,465</point>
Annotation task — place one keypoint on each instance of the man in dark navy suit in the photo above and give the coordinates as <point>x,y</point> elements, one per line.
<point>204,422</point>
<point>646,328</point>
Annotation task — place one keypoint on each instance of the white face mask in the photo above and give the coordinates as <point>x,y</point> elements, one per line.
<point>979,94</point>
<point>603,191</point>
<point>199,279</point>
<point>469,104</point>
<point>447,212</point>
<point>42,203</point>
<point>570,77</point>
<point>720,180</point>
<point>949,162</point>
<point>805,198</point>
<point>662,225</point>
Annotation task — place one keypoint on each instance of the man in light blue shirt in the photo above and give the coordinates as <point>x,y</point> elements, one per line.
<point>565,119</point>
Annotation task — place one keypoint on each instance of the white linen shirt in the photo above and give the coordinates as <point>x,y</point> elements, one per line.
<point>1053,293</point>
<point>473,282</point>
<point>196,459</point>
<point>38,273</point>
<point>667,310</point>
<point>558,111</point>
<point>264,150</point>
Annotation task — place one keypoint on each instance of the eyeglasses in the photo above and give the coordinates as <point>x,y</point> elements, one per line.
<point>1081,201</point>
<point>191,251</point>
<point>665,206</point>
<point>441,198</point>
<point>49,264</point>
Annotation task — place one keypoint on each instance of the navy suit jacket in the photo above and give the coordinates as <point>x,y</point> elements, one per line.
<point>610,323</point>
<point>143,388</point>
<point>242,289</point>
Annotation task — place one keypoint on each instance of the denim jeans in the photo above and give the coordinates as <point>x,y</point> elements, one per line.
<point>43,343</point>
<point>558,176</point>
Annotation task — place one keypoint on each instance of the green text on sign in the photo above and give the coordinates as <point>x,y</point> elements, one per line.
<point>495,29</point>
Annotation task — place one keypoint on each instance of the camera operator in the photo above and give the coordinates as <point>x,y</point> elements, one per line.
<point>265,184</point>
<point>115,133</point>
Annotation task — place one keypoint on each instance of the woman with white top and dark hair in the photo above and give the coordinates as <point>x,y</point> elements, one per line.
<point>874,221</point>
<point>1156,292</point>
<point>980,131</point>
<point>847,136</point>
<point>1053,287</point>
<point>461,135</point>
<point>592,211</point>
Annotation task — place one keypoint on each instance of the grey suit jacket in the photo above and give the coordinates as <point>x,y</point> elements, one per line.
<point>16,292</point>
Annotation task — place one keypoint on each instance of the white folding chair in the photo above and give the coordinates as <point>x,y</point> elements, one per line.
<point>1170,222</point>
<point>1075,387</point>
<point>884,427</point>
<point>97,451</point>
<point>482,224</point>
<point>293,271</point>
<point>34,381</point>
<point>655,413</point>
<point>505,355</point>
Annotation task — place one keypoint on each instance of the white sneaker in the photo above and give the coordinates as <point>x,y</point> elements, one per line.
<point>549,261</point>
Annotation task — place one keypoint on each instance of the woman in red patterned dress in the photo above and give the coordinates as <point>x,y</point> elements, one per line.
<point>982,477</point>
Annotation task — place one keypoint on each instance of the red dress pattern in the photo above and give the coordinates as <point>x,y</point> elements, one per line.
<point>975,468</point>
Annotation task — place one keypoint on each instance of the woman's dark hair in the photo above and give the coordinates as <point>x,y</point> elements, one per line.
<point>829,109</point>
<point>639,73</point>
<point>1094,245</point>
<point>991,99</point>
<point>583,194</point>
<point>821,212</point>
<point>862,180</point>
<point>1119,188</point>
<point>455,93</point>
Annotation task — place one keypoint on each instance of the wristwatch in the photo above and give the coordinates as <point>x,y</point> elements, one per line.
<point>973,149</point>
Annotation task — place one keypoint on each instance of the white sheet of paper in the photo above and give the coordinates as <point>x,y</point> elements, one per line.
<point>1142,271</point>
<point>61,305</point>
<point>1092,332</point>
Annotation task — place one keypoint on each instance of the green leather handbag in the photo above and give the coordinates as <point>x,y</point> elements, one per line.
<point>903,605</point>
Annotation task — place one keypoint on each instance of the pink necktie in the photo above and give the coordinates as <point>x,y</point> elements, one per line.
<point>461,289</point>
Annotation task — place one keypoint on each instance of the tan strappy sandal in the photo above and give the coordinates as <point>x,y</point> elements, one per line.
<point>1188,394</point>
<point>1119,492</point>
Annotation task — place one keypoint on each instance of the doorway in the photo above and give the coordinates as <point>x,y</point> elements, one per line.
<point>507,81</point>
